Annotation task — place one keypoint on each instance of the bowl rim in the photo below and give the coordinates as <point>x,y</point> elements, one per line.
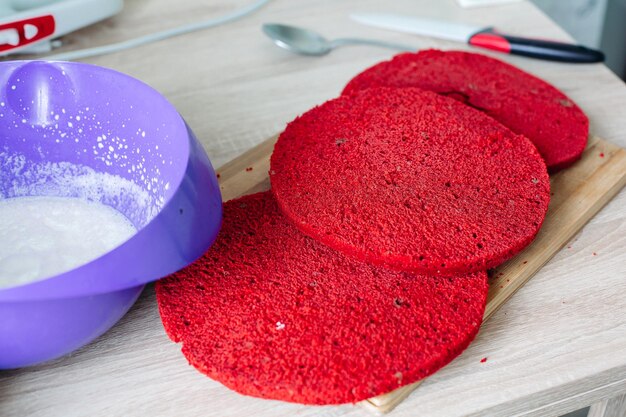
<point>38,289</point>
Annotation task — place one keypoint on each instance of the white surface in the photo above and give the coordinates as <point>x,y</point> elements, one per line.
<point>612,407</point>
<point>70,15</point>
<point>10,36</point>
<point>559,344</point>
<point>476,3</point>
<point>583,19</point>
<point>44,236</point>
<point>30,31</point>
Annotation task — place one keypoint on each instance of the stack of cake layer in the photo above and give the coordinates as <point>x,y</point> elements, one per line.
<point>363,269</point>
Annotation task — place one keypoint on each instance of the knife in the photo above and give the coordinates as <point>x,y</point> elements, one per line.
<point>482,37</point>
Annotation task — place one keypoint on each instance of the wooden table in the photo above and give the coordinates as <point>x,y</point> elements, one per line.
<point>557,345</point>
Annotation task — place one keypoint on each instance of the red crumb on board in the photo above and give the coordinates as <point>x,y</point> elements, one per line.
<point>525,262</point>
<point>594,254</point>
<point>248,169</point>
<point>483,360</point>
<point>218,175</point>
<point>601,154</point>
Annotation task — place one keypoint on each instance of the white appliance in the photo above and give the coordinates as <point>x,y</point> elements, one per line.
<point>30,25</point>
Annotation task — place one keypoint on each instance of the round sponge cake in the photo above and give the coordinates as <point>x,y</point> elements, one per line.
<point>524,103</point>
<point>411,180</point>
<point>271,313</point>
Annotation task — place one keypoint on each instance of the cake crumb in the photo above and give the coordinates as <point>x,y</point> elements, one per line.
<point>566,103</point>
<point>601,154</point>
<point>398,302</point>
<point>483,360</point>
<point>280,325</point>
<point>248,169</point>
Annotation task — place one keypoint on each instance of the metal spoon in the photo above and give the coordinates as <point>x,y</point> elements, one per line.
<point>307,42</point>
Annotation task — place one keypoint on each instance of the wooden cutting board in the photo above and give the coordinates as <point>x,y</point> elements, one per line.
<point>578,193</point>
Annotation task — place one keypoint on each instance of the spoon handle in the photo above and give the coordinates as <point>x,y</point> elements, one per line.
<point>358,41</point>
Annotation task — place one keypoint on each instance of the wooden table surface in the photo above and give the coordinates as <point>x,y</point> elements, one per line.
<point>557,345</point>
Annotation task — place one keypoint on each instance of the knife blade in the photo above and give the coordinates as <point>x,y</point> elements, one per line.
<point>420,26</point>
<point>482,37</point>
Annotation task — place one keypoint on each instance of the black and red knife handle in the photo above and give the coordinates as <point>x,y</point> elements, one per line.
<point>535,48</point>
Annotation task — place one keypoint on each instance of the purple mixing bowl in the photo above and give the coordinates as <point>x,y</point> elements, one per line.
<point>79,130</point>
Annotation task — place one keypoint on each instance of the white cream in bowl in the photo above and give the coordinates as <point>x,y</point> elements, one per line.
<point>43,236</point>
